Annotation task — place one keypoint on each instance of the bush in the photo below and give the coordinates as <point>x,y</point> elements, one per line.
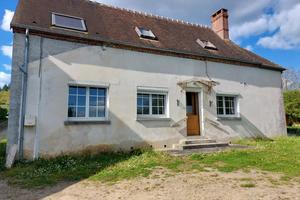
<point>2,154</point>
<point>293,131</point>
<point>3,114</point>
<point>292,106</point>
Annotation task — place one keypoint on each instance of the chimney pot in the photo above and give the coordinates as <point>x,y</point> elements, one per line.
<point>219,22</point>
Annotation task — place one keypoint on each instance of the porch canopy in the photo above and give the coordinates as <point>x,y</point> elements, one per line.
<point>197,83</point>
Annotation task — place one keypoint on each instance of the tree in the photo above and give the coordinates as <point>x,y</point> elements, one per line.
<point>292,106</point>
<point>291,79</point>
<point>5,87</point>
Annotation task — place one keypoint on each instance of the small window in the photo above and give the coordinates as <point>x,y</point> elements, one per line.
<point>87,102</point>
<point>145,33</point>
<point>206,44</point>
<point>151,104</point>
<point>227,105</point>
<point>69,22</point>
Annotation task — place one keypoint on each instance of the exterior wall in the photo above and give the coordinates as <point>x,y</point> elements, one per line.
<point>62,62</point>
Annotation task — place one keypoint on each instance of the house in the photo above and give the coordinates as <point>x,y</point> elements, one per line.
<point>91,77</point>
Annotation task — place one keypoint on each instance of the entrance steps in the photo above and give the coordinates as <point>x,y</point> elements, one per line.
<point>198,143</point>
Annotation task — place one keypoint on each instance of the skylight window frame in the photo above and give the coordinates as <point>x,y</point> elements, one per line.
<point>139,31</point>
<point>68,27</point>
<point>206,44</point>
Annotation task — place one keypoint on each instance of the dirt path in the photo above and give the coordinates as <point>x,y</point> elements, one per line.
<point>165,185</point>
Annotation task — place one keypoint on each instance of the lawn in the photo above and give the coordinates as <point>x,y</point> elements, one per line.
<point>280,156</point>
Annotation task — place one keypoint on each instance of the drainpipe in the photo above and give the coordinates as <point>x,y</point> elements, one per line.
<point>23,69</point>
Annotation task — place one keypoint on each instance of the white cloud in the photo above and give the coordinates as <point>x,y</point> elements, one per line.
<point>249,48</point>
<point>8,15</point>
<point>195,10</point>
<point>288,34</point>
<point>7,67</point>
<point>4,79</point>
<point>281,29</point>
<point>251,28</point>
<point>6,50</point>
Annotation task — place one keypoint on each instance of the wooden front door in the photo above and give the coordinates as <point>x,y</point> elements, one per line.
<point>192,112</point>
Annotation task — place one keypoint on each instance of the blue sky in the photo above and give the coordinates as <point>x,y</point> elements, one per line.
<point>270,28</point>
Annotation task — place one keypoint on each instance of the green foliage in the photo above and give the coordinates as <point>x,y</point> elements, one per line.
<point>2,154</point>
<point>281,155</point>
<point>3,114</point>
<point>292,106</point>
<point>5,88</point>
<point>294,130</point>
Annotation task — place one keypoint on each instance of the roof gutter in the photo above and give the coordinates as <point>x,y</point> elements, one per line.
<point>23,70</point>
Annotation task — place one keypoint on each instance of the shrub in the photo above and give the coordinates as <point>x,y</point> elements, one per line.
<point>3,114</point>
<point>292,106</point>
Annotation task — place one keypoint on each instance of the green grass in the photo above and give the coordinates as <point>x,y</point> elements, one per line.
<point>281,155</point>
<point>248,185</point>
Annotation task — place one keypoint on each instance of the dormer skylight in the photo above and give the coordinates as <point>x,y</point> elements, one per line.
<point>145,33</point>
<point>68,22</point>
<point>206,44</point>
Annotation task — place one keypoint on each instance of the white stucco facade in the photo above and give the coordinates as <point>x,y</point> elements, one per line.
<point>55,64</point>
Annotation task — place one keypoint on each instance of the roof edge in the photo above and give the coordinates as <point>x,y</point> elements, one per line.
<point>75,37</point>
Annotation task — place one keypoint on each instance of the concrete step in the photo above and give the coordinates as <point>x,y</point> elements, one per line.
<point>200,146</point>
<point>196,141</point>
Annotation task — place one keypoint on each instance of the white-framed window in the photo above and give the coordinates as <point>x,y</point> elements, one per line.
<point>145,33</point>
<point>227,106</point>
<point>87,103</point>
<point>68,22</point>
<point>151,104</point>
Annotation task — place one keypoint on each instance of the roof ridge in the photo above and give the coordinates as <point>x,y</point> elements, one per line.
<point>151,15</point>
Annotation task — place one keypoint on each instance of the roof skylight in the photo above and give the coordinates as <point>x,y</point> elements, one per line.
<point>69,22</point>
<point>206,44</point>
<point>145,33</point>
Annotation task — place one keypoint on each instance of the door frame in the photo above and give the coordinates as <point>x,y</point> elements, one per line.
<point>199,91</point>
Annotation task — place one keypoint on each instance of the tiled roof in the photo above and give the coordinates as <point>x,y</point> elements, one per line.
<point>116,26</point>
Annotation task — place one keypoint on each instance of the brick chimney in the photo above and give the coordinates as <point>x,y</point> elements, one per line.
<point>219,22</point>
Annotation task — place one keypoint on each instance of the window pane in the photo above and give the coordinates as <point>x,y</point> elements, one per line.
<point>220,106</point>
<point>81,90</point>
<point>81,100</point>
<point>154,102</point>
<point>101,111</point>
<point>139,110</point>
<point>97,102</point>
<point>93,91</point>
<point>72,90</point>
<point>139,101</point>
<point>93,111</point>
<point>72,112</point>
<point>146,101</point>
<point>69,22</point>
<point>101,101</point>
<point>161,111</point>
<point>161,102</point>
<point>101,92</point>
<point>220,111</point>
<point>81,112</point>
<point>146,111</point>
<point>93,101</point>
<point>155,110</point>
<point>72,100</point>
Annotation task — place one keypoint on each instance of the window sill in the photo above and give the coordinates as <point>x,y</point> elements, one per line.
<point>88,122</point>
<point>153,119</point>
<point>228,118</point>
